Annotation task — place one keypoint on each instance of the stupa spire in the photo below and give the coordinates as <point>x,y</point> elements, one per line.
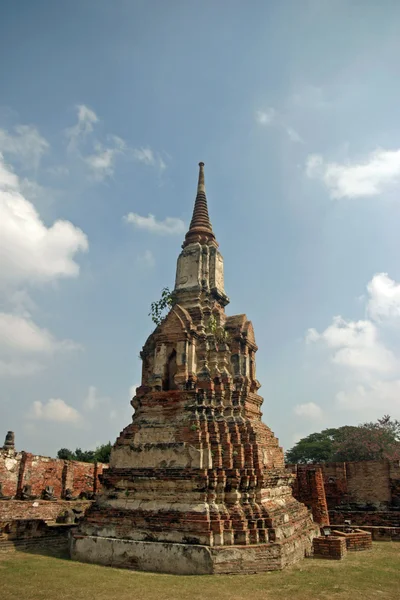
<point>200,229</point>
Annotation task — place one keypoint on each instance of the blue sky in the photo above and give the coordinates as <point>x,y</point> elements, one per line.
<point>105,110</point>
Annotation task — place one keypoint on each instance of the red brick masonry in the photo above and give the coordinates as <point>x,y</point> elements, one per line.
<point>329,547</point>
<point>18,469</point>
<point>356,540</point>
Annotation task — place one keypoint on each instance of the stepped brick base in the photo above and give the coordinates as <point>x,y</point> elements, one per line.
<point>188,559</point>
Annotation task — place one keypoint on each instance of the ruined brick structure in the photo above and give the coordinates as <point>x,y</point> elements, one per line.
<point>24,475</point>
<point>331,546</point>
<point>308,487</point>
<point>41,498</point>
<point>197,482</point>
<point>367,493</point>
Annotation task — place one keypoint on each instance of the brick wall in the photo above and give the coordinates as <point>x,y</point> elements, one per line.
<point>379,518</point>
<point>333,547</point>
<point>39,509</point>
<point>356,540</point>
<point>364,483</point>
<point>368,482</point>
<point>33,535</point>
<point>9,471</point>
<point>23,468</point>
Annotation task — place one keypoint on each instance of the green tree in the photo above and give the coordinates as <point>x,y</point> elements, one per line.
<point>102,453</point>
<point>368,441</point>
<point>315,448</point>
<point>84,455</point>
<point>65,454</point>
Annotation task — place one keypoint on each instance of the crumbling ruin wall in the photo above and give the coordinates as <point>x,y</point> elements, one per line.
<point>15,510</point>
<point>367,484</point>
<point>33,535</point>
<point>25,476</point>
<point>308,488</point>
<point>9,472</point>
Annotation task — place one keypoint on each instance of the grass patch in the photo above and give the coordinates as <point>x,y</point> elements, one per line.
<point>368,575</point>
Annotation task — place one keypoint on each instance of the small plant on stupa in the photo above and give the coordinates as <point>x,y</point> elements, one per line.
<point>159,308</point>
<point>220,334</point>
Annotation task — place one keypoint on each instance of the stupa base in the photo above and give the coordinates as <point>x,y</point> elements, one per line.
<point>191,559</point>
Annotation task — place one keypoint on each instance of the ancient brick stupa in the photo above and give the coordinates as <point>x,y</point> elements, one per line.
<point>196,482</point>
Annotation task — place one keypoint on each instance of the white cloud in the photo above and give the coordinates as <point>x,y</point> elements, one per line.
<point>93,400</point>
<point>30,251</point>
<point>144,155</point>
<point>293,135</point>
<point>22,334</point>
<point>18,367</point>
<point>170,225</point>
<point>309,410</point>
<point>147,259</point>
<point>266,116</point>
<point>371,382</point>
<point>355,344</point>
<point>132,389</point>
<point>54,410</point>
<point>310,97</point>
<point>87,118</point>
<point>24,346</point>
<point>384,297</point>
<point>270,117</point>
<point>378,397</point>
<point>102,163</point>
<point>26,144</point>
<point>148,157</point>
<point>370,177</point>
<point>102,158</point>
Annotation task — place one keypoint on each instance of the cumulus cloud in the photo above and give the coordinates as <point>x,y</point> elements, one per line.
<point>270,116</point>
<point>384,298</point>
<point>54,410</point>
<point>266,116</point>
<point>369,177</point>
<point>24,345</point>
<point>371,382</point>
<point>355,344</point>
<point>102,161</point>
<point>148,157</point>
<point>30,251</point>
<point>293,135</point>
<point>26,144</point>
<point>93,399</point>
<point>367,398</point>
<point>102,156</point>
<point>309,410</point>
<point>170,225</point>
<point>87,118</point>
<point>147,259</point>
